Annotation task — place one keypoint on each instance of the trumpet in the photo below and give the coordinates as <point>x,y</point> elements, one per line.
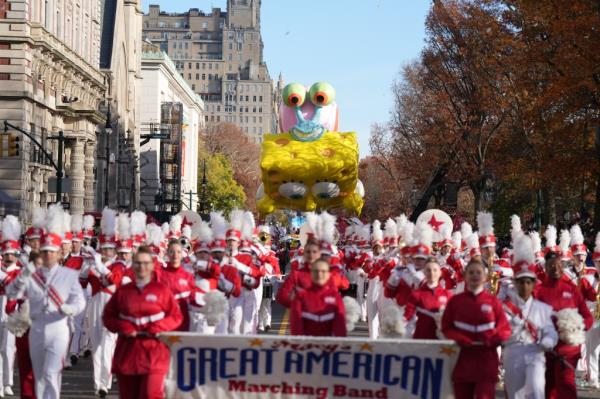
<point>597,310</point>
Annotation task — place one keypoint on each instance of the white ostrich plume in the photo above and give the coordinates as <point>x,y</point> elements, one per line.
<point>76,222</point>
<point>108,223</point>
<point>11,228</point>
<point>327,227</point>
<point>124,226</point>
<point>137,223</point>
<point>248,225</point>
<point>550,234</point>
<point>54,219</point>
<point>88,222</point>
<point>175,224</point>
<point>485,223</point>
<point>218,225</point>
<point>576,235</point>
<point>564,241</point>
<point>38,217</point>
<point>377,233</point>
<point>236,219</point>
<point>154,234</point>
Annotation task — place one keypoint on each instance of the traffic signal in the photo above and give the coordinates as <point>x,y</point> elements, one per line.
<point>13,145</point>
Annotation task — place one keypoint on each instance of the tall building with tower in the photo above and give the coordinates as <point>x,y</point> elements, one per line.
<point>220,55</point>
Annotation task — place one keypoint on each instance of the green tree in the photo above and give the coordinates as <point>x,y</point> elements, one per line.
<point>223,193</point>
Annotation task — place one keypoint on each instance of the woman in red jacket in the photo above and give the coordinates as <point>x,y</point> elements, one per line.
<point>428,302</point>
<point>137,312</point>
<point>476,320</point>
<point>318,310</point>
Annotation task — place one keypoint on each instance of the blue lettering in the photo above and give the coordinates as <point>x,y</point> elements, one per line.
<point>186,364</point>
<point>362,361</point>
<point>339,363</point>
<point>432,377</point>
<point>248,357</point>
<point>223,360</point>
<point>377,372</point>
<point>411,364</point>
<point>269,360</point>
<point>293,358</point>
<point>312,357</point>
<point>207,360</point>
<point>387,368</point>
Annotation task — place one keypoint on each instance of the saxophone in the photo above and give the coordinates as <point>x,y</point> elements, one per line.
<point>597,310</point>
<point>494,277</point>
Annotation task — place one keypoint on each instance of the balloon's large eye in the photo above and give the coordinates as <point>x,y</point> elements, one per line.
<point>294,95</point>
<point>360,189</point>
<point>325,190</point>
<point>293,191</point>
<point>322,94</point>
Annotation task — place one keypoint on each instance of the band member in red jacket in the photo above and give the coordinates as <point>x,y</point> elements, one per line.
<point>318,310</point>
<point>137,312</point>
<point>299,278</point>
<point>476,321</point>
<point>560,293</point>
<point>179,280</point>
<point>428,302</point>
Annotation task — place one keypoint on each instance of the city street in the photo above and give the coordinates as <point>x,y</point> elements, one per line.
<point>77,382</point>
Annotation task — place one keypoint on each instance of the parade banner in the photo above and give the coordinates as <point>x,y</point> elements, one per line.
<point>225,366</point>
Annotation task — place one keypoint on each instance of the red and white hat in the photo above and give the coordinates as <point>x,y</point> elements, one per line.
<point>236,221</point>
<point>76,227</point>
<point>54,230</point>
<point>154,237</point>
<point>466,230</point>
<point>423,236</point>
<point>502,266</point>
<point>218,245</point>
<point>203,236</point>
<point>125,242</point>
<point>551,234</point>
<point>536,242</point>
<point>377,234</point>
<point>218,226</point>
<point>472,245</point>
<point>108,229</point>
<point>11,233</point>
<point>67,237</point>
<point>577,245</point>
<point>137,227</point>
<point>524,258</point>
<point>563,244</point>
<point>175,227</point>
<point>390,233</point>
<point>485,222</point>
<point>88,226</point>
<point>596,253</point>
<point>38,221</point>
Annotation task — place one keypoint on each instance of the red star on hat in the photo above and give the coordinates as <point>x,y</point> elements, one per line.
<point>434,223</point>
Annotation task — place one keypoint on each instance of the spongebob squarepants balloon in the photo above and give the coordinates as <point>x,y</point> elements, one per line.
<point>309,165</point>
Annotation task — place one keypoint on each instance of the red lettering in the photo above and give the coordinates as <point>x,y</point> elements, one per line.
<point>339,390</point>
<point>237,386</point>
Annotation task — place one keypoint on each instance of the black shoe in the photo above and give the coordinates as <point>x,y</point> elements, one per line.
<point>87,353</point>
<point>102,393</point>
<point>267,328</point>
<point>74,360</point>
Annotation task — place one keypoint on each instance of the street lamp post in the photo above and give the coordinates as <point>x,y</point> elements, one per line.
<point>107,132</point>
<point>203,212</point>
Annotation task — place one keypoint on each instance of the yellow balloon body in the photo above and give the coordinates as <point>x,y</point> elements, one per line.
<point>306,176</point>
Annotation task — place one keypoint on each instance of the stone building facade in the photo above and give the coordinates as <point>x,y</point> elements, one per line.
<point>50,82</point>
<point>220,55</point>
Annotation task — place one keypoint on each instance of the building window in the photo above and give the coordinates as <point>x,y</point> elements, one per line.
<point>229,58</point>
<point>189,76</point>
<point>230,46</point>
<point>247,98</point>
<point>260,99</point>
<point>198,67</point>
<point>189,65</point>
<point>218,108</point>
<point>206,118</point>
<point>210,76</point>
<point>212,118</point>
<point>194,87</point>
<point>241,98</point>
<point>218,118</point>
<point>203,76</point>
<point>253,109</point>
<point>260,119</point>
<point>161,24</point>
<point>254,99</point>
<point>259,109</point>
<point>204,65</point>
<point>209,65</point>
<point>197,76</point>
<point>204,25</point>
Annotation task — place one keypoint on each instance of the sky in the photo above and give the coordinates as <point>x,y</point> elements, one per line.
<point>358,46</point>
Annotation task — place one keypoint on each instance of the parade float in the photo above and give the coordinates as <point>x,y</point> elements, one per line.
<point>309,165</point>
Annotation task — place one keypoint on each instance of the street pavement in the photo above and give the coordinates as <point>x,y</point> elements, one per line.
<point>78,384</point>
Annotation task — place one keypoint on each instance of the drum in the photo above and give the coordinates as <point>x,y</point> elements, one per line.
<point>267,288</point>
<point>352,291</point>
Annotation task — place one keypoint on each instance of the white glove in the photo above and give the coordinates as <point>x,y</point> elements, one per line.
<point>201,265</point>
<point>100,266</point>
<point>249,280</point>
<point>547,343</point>
<point>224,285</point>
<point>67,310</point>
<point>89,251</point>
<point>394,279</point>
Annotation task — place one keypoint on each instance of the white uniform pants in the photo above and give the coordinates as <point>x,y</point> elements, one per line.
<point>372,303</point>
<point>223,326</point>
<point>357,277</point>
<point>258,298</point>
<point>592,348</point>
<point>9,349</point>
<point>103,342</point>
<point>198,323</point>
<point>524,367</point>
<point>77,334</point>
<point>48,345</point>
<point>264,313</point>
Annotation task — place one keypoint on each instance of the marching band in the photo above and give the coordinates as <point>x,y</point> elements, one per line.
<point>526,314</point>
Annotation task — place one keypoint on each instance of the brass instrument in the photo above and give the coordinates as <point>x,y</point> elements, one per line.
<point>597,310</point>
<point>494,282</point>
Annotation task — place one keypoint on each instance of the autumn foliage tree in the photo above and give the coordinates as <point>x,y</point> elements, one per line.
<point>242,153</point>
<point>503,97</point>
